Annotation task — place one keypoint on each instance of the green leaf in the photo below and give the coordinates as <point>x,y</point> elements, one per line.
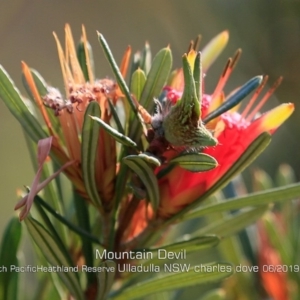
<point>195,162</point>
<point>135,64</point>
<point>83,220</point>
<point>116,117</point>
<point>121,82</point>
<point>145,173</point>
<point>64,221</point>
<point>210,273</point>
<point>90,136</point>
<point>138,80</point>
<point>149,158</point>
<point>8,258</point>
<point>288,192</point>
<point>119,137</point>
<point>105,279</point>
<point>157,77</point>
<point>54,255</point>
<point>233,224</point>
<point>13,100</point>
<point>192,245</point>
<point>51,228</point>
<point>197,74</point>
<point>189,102</point>
<point>82,59</point>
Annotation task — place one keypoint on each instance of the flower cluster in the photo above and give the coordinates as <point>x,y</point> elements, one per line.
<point>146,153</point>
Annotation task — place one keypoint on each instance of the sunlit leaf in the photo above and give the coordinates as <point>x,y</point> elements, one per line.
<point>195,162</point>
<point>119,137</point>
<point>138,80</point>
<point>13,100</point>
<point>156,78</point>
<point>82,59</point>
<point>234,223</point>
<point>255,199</point>
<point>121,82</point>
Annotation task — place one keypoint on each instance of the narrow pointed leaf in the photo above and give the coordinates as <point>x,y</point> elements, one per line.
<point>236,98</point>
<point>197,74</point>
<point>213,49</point>
<point>151,159</point>
<point>195,162</point>
<point>192,245</point>
<point>146,175</point>
<point>8,258</point>
<point>119,137</point>
<point>51,229</point>
<point>105,279</point>
<point>82,59</point>
<point>135,64</point>
<point>90,136</point>
<point>13,100</point>
<point>121,82</point>
<point>287,192</point>
<point>83,221</point>
<point>116,117</point>
<point>189,102</point>
<point>66,222</point>
<point>235,223</point>
<point>138,80</point>
<point>156,78</point>
<point>54,255</point>
<point>177,281</point>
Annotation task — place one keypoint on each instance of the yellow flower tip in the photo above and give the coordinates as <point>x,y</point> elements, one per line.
<point>224,36</point>
<point>213,49</point>
<point>275,117</point>
<point>191,56</point>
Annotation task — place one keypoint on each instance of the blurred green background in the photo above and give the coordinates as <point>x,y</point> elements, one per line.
<point>267,31</point>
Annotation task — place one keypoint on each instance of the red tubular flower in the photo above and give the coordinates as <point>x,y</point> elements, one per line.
<point>235,133</point>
